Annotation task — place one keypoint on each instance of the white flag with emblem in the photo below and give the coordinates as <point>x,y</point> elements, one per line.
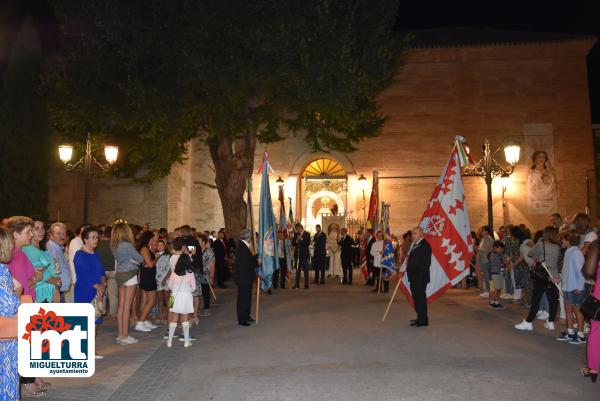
<point>445,225</point>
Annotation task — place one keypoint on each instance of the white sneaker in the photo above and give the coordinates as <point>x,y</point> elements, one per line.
<point>549,325</point>
<point>140,326</point>
<point>118,340</point>
<point>506,296</point>
<point>187,344</point>
<point>129,340</point>
<point>169,344</point>
<point>149,325</point>
<point>524,326</point>
<point>586,328</point>
<point>542,315</point>
<point>484,295</point>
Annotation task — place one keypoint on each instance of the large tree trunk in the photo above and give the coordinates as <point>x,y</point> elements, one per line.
<point>233,167</point>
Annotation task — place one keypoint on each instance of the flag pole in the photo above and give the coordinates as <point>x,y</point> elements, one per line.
<point>382,228</point>
<point>552,279</point>
<point>391,299</point>
<point>212,292</point>
<point>251,212</point>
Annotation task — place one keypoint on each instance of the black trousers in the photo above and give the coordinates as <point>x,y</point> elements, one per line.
<point>319,263</point>
<point>206,295</point>
<point>220,272</point>
<point>280,275</point>
<point>302,265</point>
<point>539,288</point>
<point>419,295</point>
<point>347,269</point>
<point>244,302</point>
<point>371,271</point>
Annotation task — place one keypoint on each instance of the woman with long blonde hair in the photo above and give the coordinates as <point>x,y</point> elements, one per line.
<point>128,261</point>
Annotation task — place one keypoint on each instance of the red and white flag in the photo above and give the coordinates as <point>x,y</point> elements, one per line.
<point>445,225</point>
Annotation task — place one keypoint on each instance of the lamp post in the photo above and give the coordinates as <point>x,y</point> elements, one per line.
<point>505,182</point>
<point>87,161</point>
<point>488,168</point>
<point>362,182</point>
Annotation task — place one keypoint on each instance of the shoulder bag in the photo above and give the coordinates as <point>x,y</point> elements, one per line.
<point>591,308</point>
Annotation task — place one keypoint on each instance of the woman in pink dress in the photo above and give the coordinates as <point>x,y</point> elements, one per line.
<point>591,270</point>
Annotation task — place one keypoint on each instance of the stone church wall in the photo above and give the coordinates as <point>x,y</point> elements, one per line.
<point>492,92</point>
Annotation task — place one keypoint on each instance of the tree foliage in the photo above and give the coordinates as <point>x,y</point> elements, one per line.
<point>152,74</point>
<point>24,132</point>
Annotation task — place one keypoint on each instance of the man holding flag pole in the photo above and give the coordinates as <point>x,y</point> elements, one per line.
<point>445,229</point>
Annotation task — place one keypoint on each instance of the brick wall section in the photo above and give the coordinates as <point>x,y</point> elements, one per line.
<point>478,92</point>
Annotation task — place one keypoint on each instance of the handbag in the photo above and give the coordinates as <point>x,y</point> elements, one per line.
<point>172,297</point>
<point>590,308</point>
<point>99,309</point>
<point>539,273</point>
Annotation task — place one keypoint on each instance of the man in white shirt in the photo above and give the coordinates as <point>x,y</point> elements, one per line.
<point>75,245</point>
<point>377,253</point>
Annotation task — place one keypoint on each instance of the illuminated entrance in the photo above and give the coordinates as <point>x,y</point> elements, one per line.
<point>324,188</point>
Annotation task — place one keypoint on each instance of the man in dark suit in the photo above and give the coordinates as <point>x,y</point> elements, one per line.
<point>370,243</point>
<point>417,270</point>
<point>301,242</point>
<point>245,273</point>
<point>320,255</point>
<point>346,243</point>
<point>220,251</point>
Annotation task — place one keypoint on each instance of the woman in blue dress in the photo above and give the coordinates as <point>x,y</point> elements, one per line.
<point>91,279</point>
<point>9,303</point>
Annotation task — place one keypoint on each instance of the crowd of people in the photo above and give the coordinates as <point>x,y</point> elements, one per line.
<point>144,278</point>
<point>550,273</point>
<point>138,276</point>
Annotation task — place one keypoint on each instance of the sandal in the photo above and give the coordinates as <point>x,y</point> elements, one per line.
<point>26,392</point>
<point>587,372</point>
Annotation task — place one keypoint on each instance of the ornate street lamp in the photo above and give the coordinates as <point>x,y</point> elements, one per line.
<point>488,168</point>
<point>362,183</point>
<point>87,161</point>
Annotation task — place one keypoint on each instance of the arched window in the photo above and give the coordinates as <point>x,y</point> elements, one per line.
<point>324,168</point>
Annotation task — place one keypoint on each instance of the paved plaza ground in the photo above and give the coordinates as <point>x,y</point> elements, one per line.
<point>328,343</point>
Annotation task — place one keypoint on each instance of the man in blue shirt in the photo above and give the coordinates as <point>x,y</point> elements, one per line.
<point>58,236</point>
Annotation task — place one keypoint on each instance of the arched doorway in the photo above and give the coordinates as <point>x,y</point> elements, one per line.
<point>324,189</point>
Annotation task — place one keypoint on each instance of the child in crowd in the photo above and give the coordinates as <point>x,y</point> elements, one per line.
<point>162,269</point>
<point>182,284</point>
<point>573,284</point>
<point>497,268</point>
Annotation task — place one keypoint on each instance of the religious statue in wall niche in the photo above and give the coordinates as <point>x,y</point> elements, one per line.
<point>334,250</point>
<point>541,184</point>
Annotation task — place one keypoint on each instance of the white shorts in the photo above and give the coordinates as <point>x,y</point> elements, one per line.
<point>131,281</point>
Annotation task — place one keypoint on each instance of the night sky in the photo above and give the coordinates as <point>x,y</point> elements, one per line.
<point>577,17</point>
<point>581,17</point>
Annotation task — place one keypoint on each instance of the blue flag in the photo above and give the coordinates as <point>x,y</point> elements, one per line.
<point>267,230</point>
<point>388,261</point>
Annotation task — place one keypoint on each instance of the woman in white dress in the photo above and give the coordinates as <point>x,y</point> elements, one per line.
<point>334,250</point>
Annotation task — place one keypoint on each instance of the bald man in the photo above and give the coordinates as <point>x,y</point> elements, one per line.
<point>417,270</point>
